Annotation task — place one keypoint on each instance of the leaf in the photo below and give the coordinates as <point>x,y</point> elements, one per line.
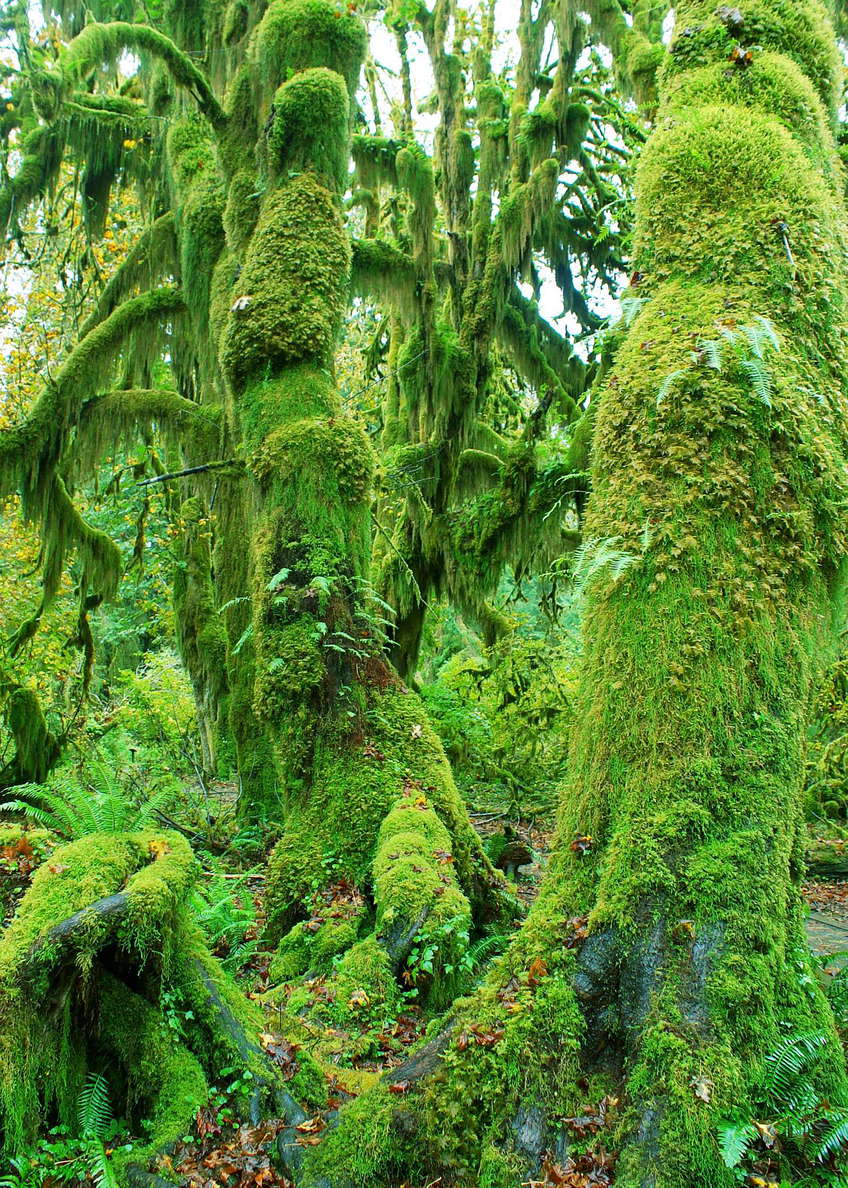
<point>536,972</point>
<point>93,1110</point>
<point>243,638</point>
<point>703,1088</point>
<point>311,1125</point>
<point>278,579</point>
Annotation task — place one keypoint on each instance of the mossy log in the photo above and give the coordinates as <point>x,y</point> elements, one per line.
<point>89,977</point>
<point>827,860</point>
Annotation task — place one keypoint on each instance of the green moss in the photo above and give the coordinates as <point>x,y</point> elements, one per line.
<point>716,474</point>
<point>363,978</point>
<point>165,1083</point>
<point>352,793</point>
<point>309,1084</point>
<point>774,86</point>
<point>310,126</point>
<point>415,889</point>
<point>310,947</point>
<point>242,210</point>
<point>37,748</point>
<point>201,633</point>
<point>291,668</point>
<point>689,166</point>
<point>297,35</point>
<point>364,1149</point>
<point>45,1039</point>
<point>800,32</point>
<point>199,200</point>
<point>292,291</point>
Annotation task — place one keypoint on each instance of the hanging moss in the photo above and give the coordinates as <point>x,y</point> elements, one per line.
<point>152,257</point>
<point>201,634</point>
<point>37,748</point>
<point>375,159</point>
<point>41,155</point>
<point>199,199</point>
<point>99,44</point>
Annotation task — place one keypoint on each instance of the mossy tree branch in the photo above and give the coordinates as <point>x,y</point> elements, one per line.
<point>99,43</point>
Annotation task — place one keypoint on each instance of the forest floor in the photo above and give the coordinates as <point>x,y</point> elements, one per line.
<point>218,1155</point>
<point>827,923</point>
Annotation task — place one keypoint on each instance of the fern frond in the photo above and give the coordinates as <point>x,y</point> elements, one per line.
<point>100,1169</point>
<point>787,1064</point>
<point>735,1137</point>
<point>761,334</point>
<point>760,380</point>
<point>710,352</point>
<point>32,812</point>
<point>94,1112</point>
<point>835,1138</point>
<point>668,384</point>
<point>630,307</point>
<point>485,948</point>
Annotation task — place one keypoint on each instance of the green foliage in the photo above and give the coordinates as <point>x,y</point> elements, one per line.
<point>94,1112</point>
<point>749,346</point>
<point>75,803</point>
<point>70,1158</point>
<point>226,913</point>
<point>811,1130</point>
<point>503,713</point>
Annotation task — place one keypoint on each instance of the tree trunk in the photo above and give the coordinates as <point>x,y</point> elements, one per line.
<point>349,743</point>
<point>666,957</point>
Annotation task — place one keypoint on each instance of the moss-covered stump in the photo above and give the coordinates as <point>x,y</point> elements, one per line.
<point>103,970</point>
<point>665,958</point>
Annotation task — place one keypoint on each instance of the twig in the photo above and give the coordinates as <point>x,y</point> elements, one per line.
<point>164,478</point>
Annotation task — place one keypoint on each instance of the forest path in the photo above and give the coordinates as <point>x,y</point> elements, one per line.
<point>827,924</point>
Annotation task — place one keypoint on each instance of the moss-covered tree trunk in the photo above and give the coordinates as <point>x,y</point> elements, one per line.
<point>666,956</point>
<point>347,743</point>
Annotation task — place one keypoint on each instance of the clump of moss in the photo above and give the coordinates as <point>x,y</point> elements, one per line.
<point>103,914</point>
<point>310,126</point>
<point>298,35</point>
<point>242,210</point>
<point>356,781</point>
<point>292,291</point>
<point>416,892</point>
